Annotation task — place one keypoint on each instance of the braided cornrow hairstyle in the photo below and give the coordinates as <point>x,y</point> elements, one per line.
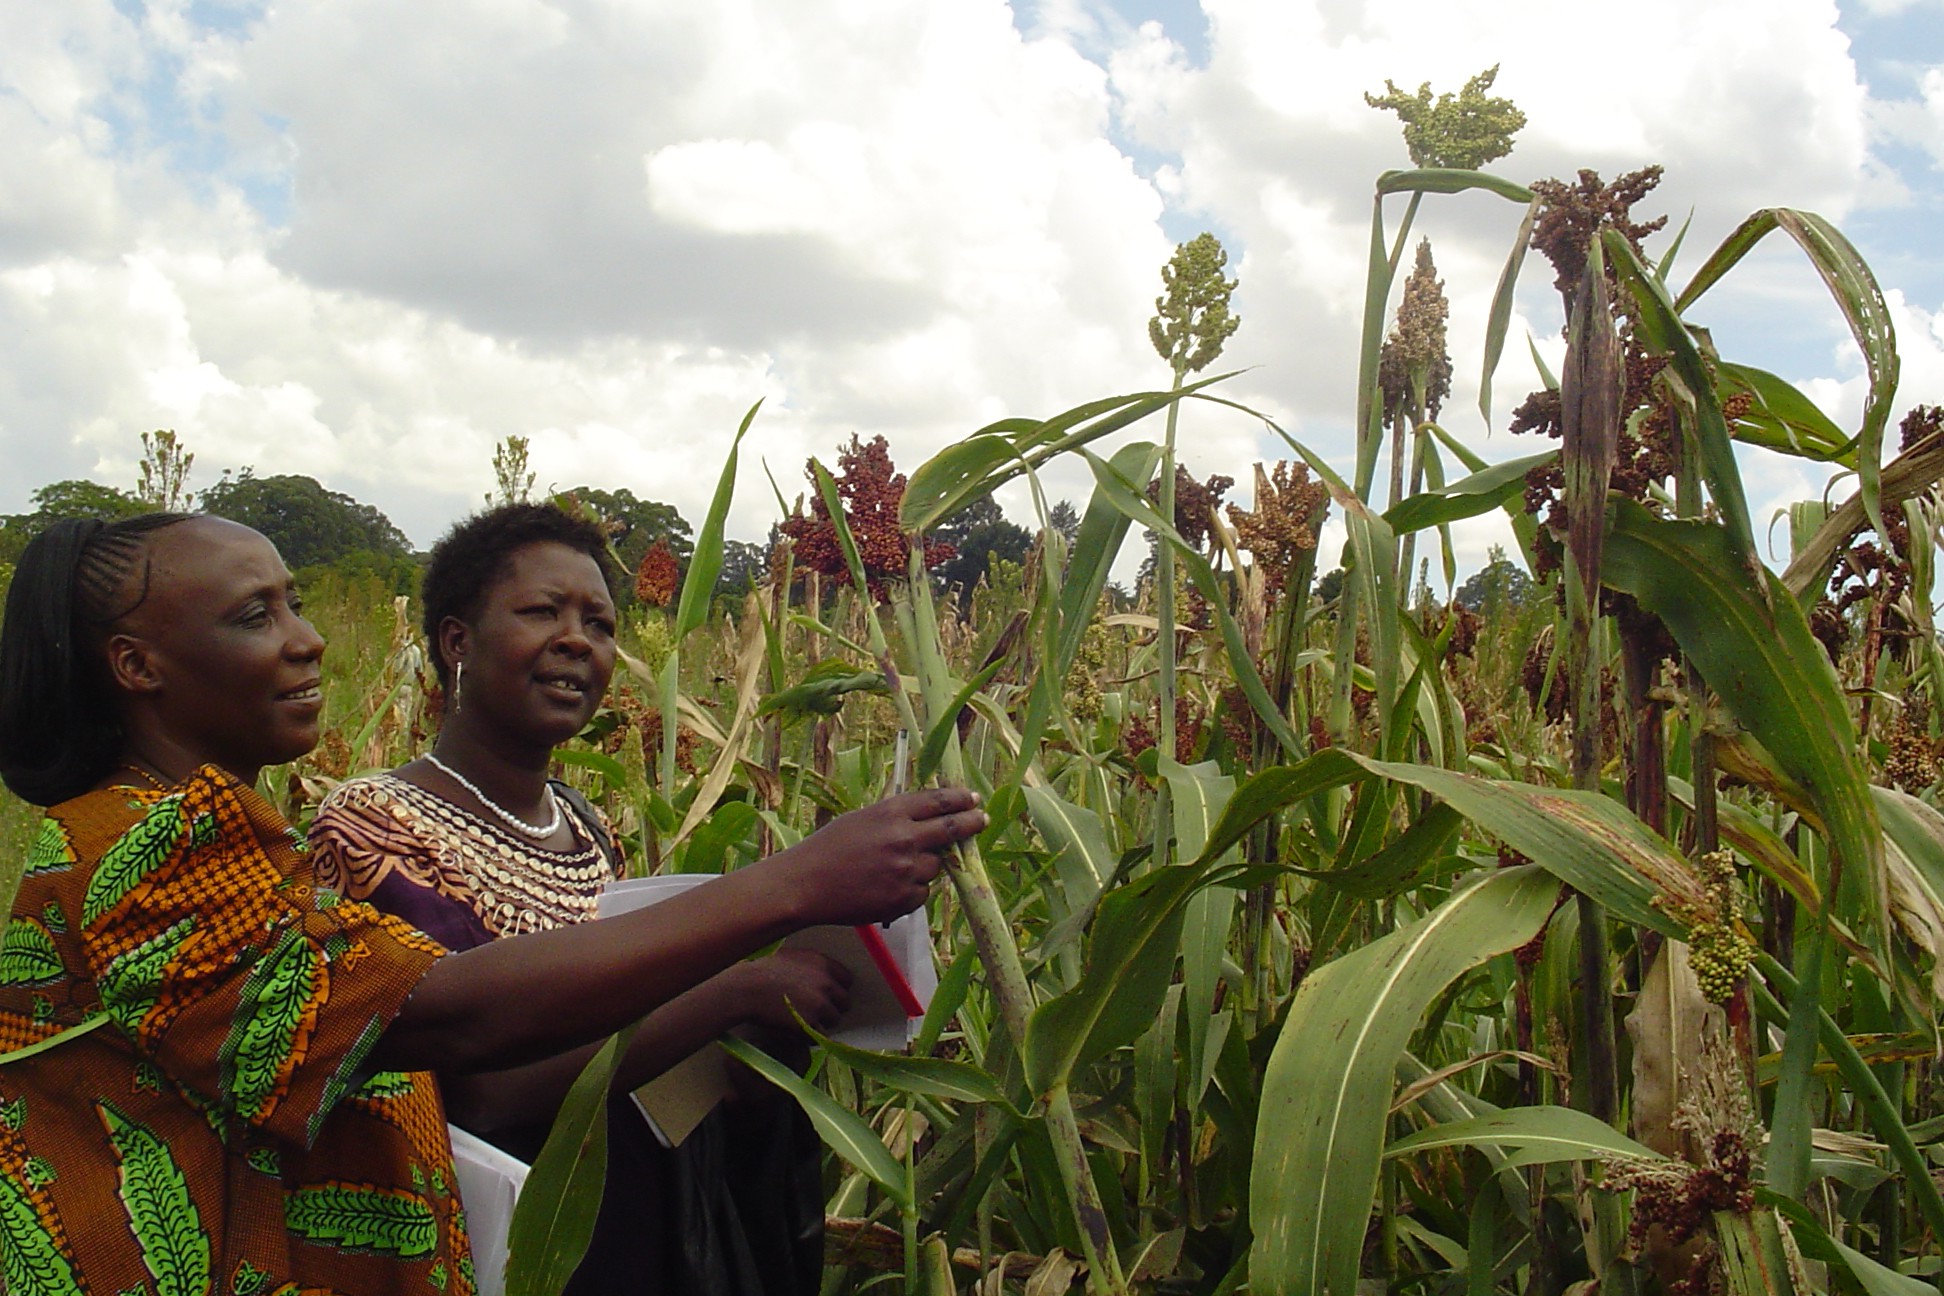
<point>60,726</point>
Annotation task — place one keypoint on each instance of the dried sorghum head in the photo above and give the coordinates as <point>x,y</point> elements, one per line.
<point>1289,508</point>
<point>1922,421</point>
<point>1194,503</point>
<point>1415,351</point>
<point>1572,213</point>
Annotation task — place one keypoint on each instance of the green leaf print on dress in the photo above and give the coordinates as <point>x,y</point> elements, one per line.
<point>161,1213</point>
<point>139,852</point>
<point>133,981</point>
<point>51,851</point>
<point>363,1218</point>
<point>32,1259</point>
<point>28,956</point>
<point>278,1008</point>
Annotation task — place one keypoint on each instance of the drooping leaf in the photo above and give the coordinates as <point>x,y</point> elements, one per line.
<point>553,1221</point>
<point>822,690</point>
<point>1525,528</point>
<point>1500,320</point>
<point>842,1130</point>
<point>1451,180</point>
<point>1587,841</point>
<point>1532,1134</point>
<point>928,1077</point>
<point>1083,859</point>
<point>612,772</point>
<point>1781,417</point>
<point>1753,646</point>
<point>1861,301</point>
<point>1199,794</point>
<point>1130,964</point>
<point>1403,863</point>
<point>1489,488</point>
<point>1326,1093</point>
<point>968,470</point>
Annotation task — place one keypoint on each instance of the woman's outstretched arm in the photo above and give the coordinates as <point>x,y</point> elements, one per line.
<point>512,1002</point>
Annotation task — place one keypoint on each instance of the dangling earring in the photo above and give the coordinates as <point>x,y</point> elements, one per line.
<point>458,683</point>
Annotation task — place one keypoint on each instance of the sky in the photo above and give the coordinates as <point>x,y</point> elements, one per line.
<point>365,241</point>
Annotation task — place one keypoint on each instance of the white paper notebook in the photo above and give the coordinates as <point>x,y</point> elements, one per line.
<point>677,1100</point>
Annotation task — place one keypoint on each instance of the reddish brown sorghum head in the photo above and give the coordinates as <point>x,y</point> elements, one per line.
<point>656,577</point>
<point>1288,509</point>
<point>1194,503</point>
<point>871,490</point>
<point>1572,213</point>
<point>1923,421</point>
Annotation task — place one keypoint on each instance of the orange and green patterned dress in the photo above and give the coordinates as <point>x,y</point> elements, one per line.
<point>185,1102</point>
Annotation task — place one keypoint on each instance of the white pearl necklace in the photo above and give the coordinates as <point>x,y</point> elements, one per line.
<point>537,832</point>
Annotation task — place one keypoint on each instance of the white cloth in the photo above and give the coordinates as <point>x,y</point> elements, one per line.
<point>489,1186</point>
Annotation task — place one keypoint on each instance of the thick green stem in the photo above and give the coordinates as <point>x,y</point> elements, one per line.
<point>1164,598</point>
<point>998,950</point>
<point>671,720</point>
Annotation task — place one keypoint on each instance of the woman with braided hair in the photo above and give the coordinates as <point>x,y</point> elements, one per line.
<point>214,1072</point>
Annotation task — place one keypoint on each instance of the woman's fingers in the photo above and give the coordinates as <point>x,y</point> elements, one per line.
<point>950,829</point>
<point>935,802</point>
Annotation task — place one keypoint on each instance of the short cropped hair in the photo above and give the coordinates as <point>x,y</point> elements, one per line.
<point>468,559</point>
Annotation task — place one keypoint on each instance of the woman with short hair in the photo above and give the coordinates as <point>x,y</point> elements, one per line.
<point>474,842</point>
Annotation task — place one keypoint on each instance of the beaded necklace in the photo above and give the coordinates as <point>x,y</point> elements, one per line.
<point>538,832</point>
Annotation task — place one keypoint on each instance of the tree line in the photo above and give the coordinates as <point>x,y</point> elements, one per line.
<point>318,529</point>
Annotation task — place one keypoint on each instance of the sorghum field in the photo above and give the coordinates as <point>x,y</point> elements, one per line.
<point>1332,936</point>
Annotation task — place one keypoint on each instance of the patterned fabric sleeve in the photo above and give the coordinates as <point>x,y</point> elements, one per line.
<point>362,851</point>
<point>258,993</point>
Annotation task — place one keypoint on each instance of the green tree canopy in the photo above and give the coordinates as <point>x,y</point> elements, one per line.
<point>73,498</point>
<point>80,498</point>
<point>309,524</point>
<point>979,533</point>
<point>1065,519</point>
<point>744,564</point>
<point>1499,585</point>
<point>635,524</point>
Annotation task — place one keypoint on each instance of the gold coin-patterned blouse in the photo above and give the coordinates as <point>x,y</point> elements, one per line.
<point>185,1102</point>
